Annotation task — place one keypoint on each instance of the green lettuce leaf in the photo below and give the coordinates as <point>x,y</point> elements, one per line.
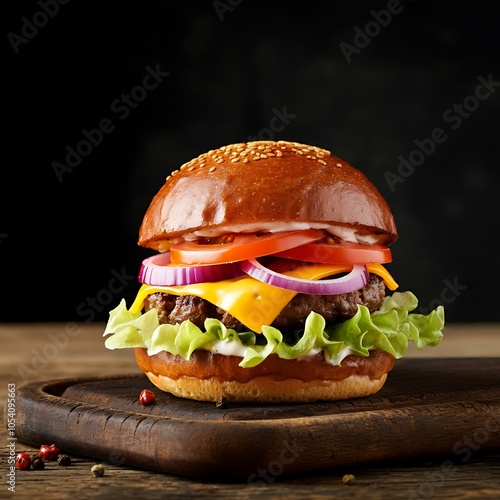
<point>388,329</point>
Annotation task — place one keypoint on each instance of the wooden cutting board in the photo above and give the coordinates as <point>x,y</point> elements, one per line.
<point>445,407</point>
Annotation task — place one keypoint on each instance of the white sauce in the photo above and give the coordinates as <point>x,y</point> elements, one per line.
<point>225,348</point>
<point>312,352</point>
<point>236,349</point>
<point>344,233</point>
<point>339,357</point>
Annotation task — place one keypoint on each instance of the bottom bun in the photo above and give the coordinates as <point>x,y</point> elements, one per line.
<point>262,390</point>
<point>210,377</point>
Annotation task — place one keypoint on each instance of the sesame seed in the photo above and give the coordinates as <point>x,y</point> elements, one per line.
<point>338,165</point>
<point>255,150</point>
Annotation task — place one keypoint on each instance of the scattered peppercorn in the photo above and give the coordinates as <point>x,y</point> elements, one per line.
<point>49,453</point>
<point>64,460</point>
<point>37,462</point>
<point>222,402</point>
<point>55,450</point>
<point>98,470</point>
<point>348,479</point>
<point>23,461</point>
<point>147,397</point>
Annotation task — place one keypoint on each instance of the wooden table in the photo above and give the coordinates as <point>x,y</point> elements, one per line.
<point>39,352</point>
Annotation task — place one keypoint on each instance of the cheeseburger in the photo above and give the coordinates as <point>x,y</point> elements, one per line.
<point>268,281</point>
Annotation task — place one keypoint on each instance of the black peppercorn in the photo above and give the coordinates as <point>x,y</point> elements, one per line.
<point>64,460</point>
<point>37,462</point>
<point>222,402</point>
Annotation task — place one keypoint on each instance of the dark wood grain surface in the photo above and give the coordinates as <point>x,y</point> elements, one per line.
<point>470,470</point>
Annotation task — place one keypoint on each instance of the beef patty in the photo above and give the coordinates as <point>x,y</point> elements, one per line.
<point>174,309</point>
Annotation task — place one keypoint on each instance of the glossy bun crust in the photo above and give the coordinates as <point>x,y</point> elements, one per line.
<point>261,185</point>
<point>209,377</point>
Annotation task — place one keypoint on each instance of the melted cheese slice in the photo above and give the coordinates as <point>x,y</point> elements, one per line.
<point>250,301</point>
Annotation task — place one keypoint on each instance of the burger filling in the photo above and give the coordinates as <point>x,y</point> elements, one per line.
<point>389,328</point>
<point>260,296</point>
<point>174,309</point>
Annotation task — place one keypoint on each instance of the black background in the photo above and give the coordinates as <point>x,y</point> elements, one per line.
<point>231,67</point>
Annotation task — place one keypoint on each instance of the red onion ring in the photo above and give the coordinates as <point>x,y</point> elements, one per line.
<point>355,280</point>
<point>157,271</point>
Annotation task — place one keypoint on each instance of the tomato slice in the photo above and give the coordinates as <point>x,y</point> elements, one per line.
<point>241,247</point>
<point>339,253</point>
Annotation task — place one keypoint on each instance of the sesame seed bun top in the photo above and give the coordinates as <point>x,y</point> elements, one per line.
<point>266,186</point>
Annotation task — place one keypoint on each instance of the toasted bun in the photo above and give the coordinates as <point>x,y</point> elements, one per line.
<point>266,185</point>
<point>209,377</point>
